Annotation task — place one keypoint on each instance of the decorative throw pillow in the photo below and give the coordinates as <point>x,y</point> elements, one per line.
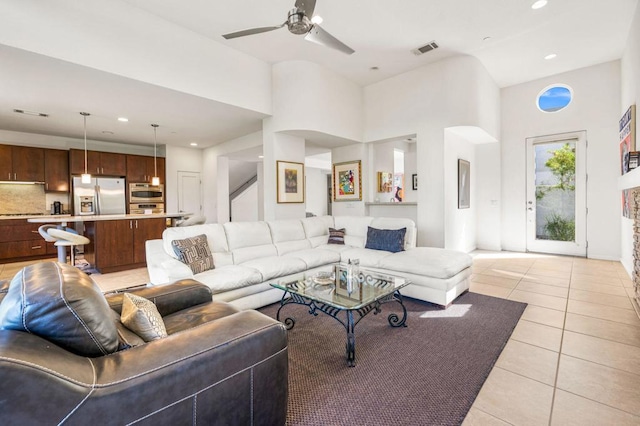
<point>141,316</point>
<point>194,252</point>
<point>336,236</point>
<point>386,239</point>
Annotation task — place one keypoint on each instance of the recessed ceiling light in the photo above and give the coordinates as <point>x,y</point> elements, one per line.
<point>487,38</point>
<point>37,114</point>
<point>374,68</point>
<point>193,144</point>
<point>550,56</point>
<point>260,156</point>
<point>539,4</point>
<point>317,19</point>
<point>123,119</point>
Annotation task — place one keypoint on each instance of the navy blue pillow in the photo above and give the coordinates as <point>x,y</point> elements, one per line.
<point>386,239</point>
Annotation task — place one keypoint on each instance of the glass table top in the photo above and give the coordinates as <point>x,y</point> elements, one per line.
<point>344,289</point>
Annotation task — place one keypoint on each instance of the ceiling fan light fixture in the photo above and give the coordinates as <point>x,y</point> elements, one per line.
<point>539,4</point>
<point>317,19</point>
<point>550,56</point>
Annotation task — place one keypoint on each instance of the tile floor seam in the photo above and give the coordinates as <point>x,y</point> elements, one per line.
<point>603,338</point>
<point>492,415</point>
<point>601,365</point>
<point>599,403</point>
<point>555,381</point>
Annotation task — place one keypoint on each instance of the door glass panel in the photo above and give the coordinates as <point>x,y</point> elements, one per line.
<point>555,171</point>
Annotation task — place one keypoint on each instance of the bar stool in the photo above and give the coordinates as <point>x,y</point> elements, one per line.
<point>193,220</point>
<point>68,239</point>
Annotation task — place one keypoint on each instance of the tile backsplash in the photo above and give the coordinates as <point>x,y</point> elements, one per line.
<point>20,199</point>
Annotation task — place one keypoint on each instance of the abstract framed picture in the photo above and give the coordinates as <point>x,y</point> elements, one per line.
<point>385,181</point>
<point>347,181</point>
<point>290,182</point>
<point>464,184</point>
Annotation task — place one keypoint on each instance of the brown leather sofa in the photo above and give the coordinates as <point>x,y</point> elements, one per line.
<point>218,366</point>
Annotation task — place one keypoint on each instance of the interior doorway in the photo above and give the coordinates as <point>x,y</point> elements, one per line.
<point>556,206</point>
<point>189,193</point>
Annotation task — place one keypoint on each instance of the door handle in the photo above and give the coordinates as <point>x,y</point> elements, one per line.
<point>15,176</point>
<point>530,208</point>
<point>136,224</point>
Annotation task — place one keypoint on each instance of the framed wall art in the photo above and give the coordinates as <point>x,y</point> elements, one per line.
<point>385,181</point>
<point>290,182</point>
<point>347,181</point>
<point>464,184</point>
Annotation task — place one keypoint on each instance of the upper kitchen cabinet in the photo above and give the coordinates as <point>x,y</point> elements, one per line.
<point>21,163</point>
<point>98,163</point>
<point>141,168</point>
<point>56,170</point>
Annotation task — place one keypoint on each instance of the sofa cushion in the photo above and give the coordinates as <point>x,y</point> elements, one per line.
<point>141,316</point>
<point>63,305</point>
<point>288,236</point>
<point>386,239</point>
<point>194,252</point>
<point>355,228</point>
<point>368,258</point>
<point>317,229</point>
<point>198,315</point>
<point>336,236</point>
<point>428,261</point>
<point>229,278</point>
<point>276,266</point>
<point>316,257</point>
<point>216,238</point>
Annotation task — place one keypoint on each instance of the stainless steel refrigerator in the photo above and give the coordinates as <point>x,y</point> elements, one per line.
<point>101,196</point>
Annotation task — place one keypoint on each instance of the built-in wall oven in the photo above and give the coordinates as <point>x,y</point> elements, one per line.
<point>146,193</point>
<point>146,208</point>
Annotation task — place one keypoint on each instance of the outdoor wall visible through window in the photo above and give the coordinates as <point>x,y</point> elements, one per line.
<point>554,98</point>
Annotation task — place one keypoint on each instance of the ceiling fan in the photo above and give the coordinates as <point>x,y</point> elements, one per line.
<point>298,22</point>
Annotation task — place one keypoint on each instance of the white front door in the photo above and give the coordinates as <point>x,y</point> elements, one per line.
<point>556,203</point>
<point>189,193</point>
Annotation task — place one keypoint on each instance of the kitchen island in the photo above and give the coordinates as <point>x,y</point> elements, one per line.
<point>117,242</point>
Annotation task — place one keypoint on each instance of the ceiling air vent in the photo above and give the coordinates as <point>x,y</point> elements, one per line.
<point>432,45</point>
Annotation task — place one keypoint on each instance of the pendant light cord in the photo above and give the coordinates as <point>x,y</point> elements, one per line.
<point>84,115</point>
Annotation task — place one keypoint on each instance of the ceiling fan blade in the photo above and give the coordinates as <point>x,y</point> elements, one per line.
<point>307,6</point>
<point>251,32</point>
<point>320,36</point>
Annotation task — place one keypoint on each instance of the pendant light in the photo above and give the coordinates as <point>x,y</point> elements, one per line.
<point>86,177</point>
<point>155,180</point>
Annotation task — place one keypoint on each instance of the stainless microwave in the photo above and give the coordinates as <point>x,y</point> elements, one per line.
<point>145,193</point>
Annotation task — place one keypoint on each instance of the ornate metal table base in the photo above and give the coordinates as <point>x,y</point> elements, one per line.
<point>349,324</point>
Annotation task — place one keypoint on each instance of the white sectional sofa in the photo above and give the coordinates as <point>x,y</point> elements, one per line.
<point>250,255</point>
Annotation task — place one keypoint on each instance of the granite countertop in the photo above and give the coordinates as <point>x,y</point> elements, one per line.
<point>96,218</point>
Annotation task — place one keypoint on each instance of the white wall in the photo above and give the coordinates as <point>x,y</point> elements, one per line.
<point>316,190</point>
<point>630,83</point>
<point>215,182</point>
<point>307,96</point>
<point>122,39</point>
<point>244,208</point>
<point>179,160</point>
<point>487,190</point>
<point>457,91</point>
<point>459,224</point>
<point>596,109</point>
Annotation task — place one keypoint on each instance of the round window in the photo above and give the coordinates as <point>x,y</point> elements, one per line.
<point>554,98</point>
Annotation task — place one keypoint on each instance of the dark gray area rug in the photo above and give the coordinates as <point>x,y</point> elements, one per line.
<point>428,373</point>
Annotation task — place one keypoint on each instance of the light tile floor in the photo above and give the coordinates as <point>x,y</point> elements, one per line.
<point>574,356</point>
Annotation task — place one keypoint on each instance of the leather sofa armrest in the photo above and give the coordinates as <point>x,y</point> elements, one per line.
<point>233,370</point>
<point>168,298</point>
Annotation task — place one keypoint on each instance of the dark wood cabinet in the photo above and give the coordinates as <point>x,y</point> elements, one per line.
<point>120,244</point>
<point>21,163</point>
<point>20,240</point>
<point>141,168</point>
<point>98,163</point>
<point>56,170</point>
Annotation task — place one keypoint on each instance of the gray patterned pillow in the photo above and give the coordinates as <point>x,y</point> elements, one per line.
<point>336,236</point>
<point>141,316</point>
<point>194,252</point>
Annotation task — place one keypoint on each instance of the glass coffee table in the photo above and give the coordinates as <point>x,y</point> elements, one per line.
<point>354,293</point>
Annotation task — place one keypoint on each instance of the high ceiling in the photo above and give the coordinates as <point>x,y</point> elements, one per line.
<point>507,36</point>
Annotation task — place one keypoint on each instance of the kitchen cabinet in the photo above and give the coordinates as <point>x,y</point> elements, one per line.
<point>20,240</point>
<point>98,163</point>
<point>21,163</point>
<point>140,168</point>
<point>118,245</point>
<point>56,170</point>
